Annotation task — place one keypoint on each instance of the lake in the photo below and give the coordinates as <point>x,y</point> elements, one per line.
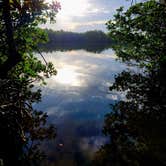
<point>76,100</point>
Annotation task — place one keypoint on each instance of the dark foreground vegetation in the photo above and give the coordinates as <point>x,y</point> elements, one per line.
<point>94,41</point>
<point>22,127</point>
<point>136,126</point>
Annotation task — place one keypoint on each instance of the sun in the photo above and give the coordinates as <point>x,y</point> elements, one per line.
<point>71,8</point>
<point>74,7</point>
<point>71,11</point>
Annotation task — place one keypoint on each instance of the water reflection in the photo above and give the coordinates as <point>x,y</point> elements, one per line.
<point>68,76</point>
<point>96,48</point>
<point>77,100</point>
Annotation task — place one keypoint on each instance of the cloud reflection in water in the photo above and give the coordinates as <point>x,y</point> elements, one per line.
<point>67,76</point>
<point>78,98</point>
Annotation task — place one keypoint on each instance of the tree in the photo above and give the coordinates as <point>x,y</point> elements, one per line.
<point>136,125</point>
<point>19,17</point>
<point>94,41</point>
<point>139,33</point>
<point>22,128</point>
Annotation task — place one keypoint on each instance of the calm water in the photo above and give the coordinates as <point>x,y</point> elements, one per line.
<point>76,101</point>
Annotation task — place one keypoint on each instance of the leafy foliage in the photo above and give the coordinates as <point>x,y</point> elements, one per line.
<point>136,125</point>
<point>140,33</point>
<point>22,127</point>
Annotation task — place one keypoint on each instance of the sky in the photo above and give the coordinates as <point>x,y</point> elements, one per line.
<point>85,15</point>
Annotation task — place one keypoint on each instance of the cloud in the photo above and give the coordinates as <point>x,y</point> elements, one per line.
<point>75,26</point>
<point>84,15</point>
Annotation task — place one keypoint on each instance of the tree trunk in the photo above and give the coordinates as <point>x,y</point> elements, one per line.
<point>13,56</point>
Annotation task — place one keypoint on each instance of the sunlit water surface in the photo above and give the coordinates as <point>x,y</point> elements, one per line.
<point>76,100</point>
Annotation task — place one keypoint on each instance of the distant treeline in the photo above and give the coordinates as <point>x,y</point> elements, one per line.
<point>94,41</point>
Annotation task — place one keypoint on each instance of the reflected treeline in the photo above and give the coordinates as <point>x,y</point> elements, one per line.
<point>93,41</point>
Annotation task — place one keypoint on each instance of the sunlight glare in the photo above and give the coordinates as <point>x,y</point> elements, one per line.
<point>71,8</point>
<point>74,7</point>
<point>70,11</point>
<point>67,76</point>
